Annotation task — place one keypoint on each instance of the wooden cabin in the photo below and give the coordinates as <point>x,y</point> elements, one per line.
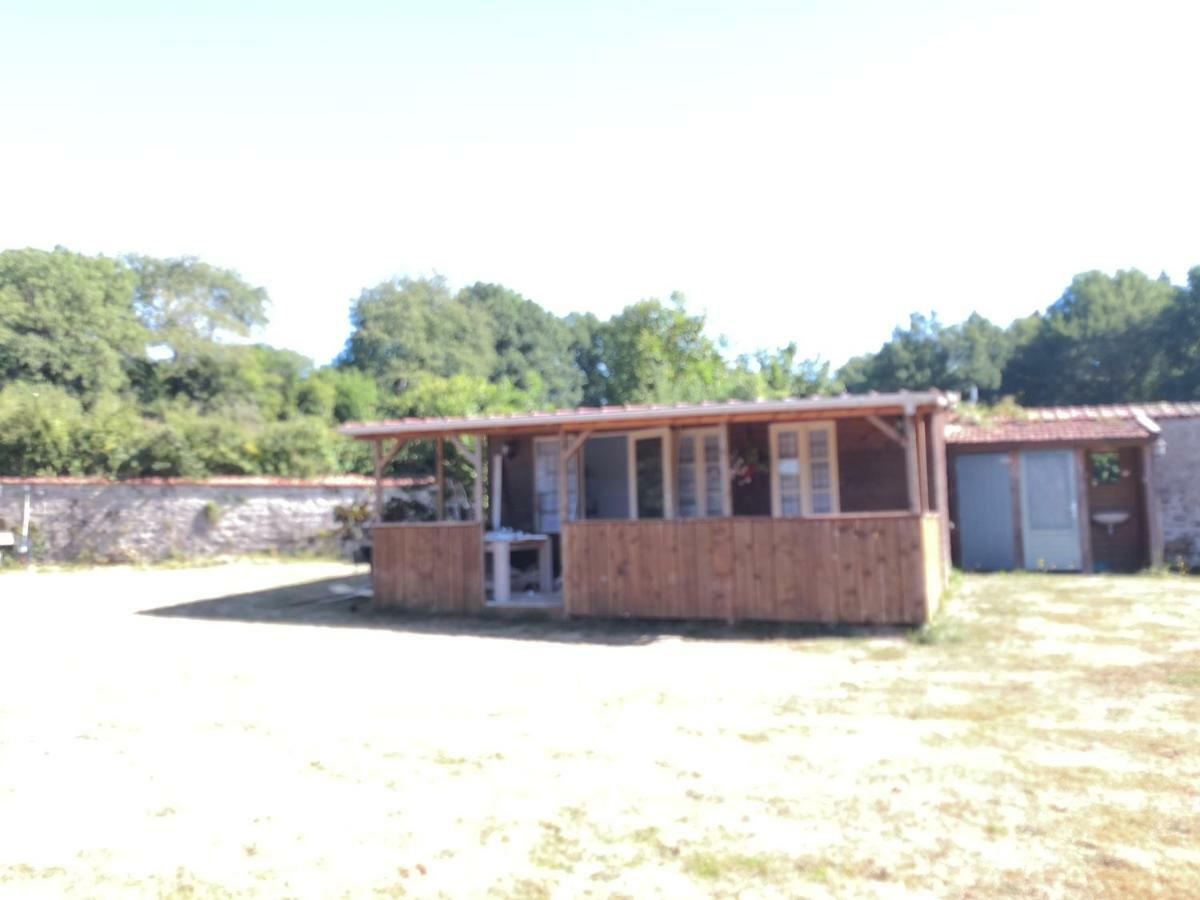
<point>824,510</point>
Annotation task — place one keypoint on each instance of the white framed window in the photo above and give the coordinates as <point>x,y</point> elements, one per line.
<point>700,472</point>
<point>651,474</point>
<point>547,454</point>
<point>804,473</point>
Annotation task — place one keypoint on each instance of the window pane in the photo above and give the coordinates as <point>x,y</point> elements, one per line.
<point>788,466</point>
<point>714,496</point>
<point>822,503</point>
<point>789,496</point>
<point>687,449</point>
<point>546,474</point>
<point>787,445</point>
<point>818,444</point>
<point>820,476</point>
<point>648,458</point>
<point>685,477</point>
<point>687,491</point>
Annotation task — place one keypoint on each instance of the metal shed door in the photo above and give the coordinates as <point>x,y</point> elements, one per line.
<point>1050,510</point>
<point>985,521</point>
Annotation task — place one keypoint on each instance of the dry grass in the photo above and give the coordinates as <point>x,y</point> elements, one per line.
<point>1040,740</point>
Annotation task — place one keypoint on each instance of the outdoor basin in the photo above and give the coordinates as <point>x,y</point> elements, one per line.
<point>1110,519</point>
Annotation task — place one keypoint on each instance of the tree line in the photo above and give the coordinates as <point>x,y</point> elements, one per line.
<point>137,366</point>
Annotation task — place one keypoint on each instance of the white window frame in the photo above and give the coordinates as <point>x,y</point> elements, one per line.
<point>668,457</point>
<point>802,431</point>
<point>572,515</point>
<point>698,435</point>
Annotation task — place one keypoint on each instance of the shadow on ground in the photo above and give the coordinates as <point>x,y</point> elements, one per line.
<point>346,602</point>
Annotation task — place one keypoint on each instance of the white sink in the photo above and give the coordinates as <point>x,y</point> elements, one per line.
<point>1110,519</point>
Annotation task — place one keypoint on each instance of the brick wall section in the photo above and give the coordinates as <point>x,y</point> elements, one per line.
<point>1177,483</point>
<point>83,520</point>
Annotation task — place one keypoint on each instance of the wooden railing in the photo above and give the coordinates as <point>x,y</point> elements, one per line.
<point>882,568</point>
<point>432,566</point>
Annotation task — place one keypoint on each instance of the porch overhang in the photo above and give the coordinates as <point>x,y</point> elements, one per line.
<point>623,417</point>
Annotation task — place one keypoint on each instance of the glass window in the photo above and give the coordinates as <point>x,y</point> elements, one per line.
<point>648,459</point>
<point>546,457</point>
<point>788,465</point>
<point>685,471</point>
<point>714,495</point>
<point>806,470</point>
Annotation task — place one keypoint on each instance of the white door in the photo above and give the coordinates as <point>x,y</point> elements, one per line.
<point>1050,510</point>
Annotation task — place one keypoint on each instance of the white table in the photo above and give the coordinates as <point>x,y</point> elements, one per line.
<point>501,544</point>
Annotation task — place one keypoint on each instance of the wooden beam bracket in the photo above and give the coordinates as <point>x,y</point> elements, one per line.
<point>889,431</point>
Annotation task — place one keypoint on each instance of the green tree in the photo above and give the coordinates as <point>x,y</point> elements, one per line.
<point>68,320</point>
<point>533,347</point>
<point>1099,343</point>
<point>184,301</point>
<point>784,374</point>
<point>1178,334</point>
<point>407,328</point>
<point>654,352</point>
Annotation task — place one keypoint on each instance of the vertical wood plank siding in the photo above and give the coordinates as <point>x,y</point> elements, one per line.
<point>933,547</point>
<point>435,567</point>
<point>869,570</point>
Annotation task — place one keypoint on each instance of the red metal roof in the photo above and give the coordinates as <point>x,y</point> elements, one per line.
<point>592,415</point>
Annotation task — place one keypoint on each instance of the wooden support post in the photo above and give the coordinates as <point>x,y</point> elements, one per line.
<point>922,464</point>
<point>668,470</point>
<point>911,463</point>
<point>441,478</point>
<point>1154,533</point>
<point>377,455</point>
<point>564,520</point>
<point>497,473</point>
<point>941,486</point>
<point>477,459</point>
<point>1085,515</point>
<point>726,476</point>
<point>573,448</point>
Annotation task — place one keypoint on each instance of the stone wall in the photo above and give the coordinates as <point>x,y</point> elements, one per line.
<point>154,519</point>
<point>1177,483</point>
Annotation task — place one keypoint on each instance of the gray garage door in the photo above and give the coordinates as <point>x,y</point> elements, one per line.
<point>985,522</point>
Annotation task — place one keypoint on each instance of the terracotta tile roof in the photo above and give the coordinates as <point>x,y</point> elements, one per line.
<point>225,481</point>
<point>1014,431</point>
<point>617,414</point>
<point>1156,410</point>
<point>1071,424</point>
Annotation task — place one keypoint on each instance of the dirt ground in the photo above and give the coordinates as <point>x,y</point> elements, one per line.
<point>244,730</point>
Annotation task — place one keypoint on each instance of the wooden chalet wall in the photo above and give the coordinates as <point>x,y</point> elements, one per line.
<point>430,566</point>
<point>872,569</point>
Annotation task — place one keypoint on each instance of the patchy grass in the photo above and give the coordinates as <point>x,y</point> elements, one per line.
<point>1039,738</point>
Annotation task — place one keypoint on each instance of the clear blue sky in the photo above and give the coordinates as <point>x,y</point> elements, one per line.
<point>804,171</point>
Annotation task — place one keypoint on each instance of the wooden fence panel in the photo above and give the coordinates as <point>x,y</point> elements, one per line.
<point>435,567</point>
<point>860,569</point>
